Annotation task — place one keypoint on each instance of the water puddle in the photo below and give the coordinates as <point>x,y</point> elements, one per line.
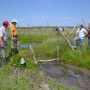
<point>27,45</point>
<point>68,75</point>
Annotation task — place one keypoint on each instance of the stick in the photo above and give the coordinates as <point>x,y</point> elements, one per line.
<point>66,39</point>
<point>57,52</point>
<point>55,59</point>
<point>71,32</point>
<point>33,53</point>
<point>84,24</point>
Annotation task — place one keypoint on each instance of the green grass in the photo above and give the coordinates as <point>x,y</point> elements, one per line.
<point>32,38</point>
<point>50,40</point>
<point>46,49</point>
<point>14,81</point>
<point>12,78</point>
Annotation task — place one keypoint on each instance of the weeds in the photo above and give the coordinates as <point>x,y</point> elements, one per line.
<point>10,80</point>
<point>47,48</point>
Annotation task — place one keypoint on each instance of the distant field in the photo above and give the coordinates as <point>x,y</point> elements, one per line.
<point>30,30</point>
<point>47,31</point>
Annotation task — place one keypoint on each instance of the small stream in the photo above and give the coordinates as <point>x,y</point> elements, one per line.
<point>68,75</point>
<point>27,45</point>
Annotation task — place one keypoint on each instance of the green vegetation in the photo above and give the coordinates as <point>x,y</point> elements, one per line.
<point>49,39</point>
<point>15,76</point>
<point>32,38</point>
<point>12,78</point>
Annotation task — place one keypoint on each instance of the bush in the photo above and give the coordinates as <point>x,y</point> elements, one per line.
<point>15,60</point>
<point>31,65</point>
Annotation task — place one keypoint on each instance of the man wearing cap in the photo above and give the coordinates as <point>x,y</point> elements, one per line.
<point>3,38</point>
<point>80,35</point>
<point>14,38</point>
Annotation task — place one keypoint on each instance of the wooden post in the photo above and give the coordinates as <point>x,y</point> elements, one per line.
<point>71,32</point>
<point>57,52</point>
<point>33,53</point>
<point>65,39</point>
<point>50,60</point>
<point>84,24</point>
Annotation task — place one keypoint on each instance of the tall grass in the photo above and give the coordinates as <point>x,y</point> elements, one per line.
<point>13,81</point>
<point>15,77</point>
<point>19,79</point>
<point>32,38</point>
<point>51,39</point>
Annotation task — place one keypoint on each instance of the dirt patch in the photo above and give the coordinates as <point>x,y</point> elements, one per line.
<point>38,80</point>
<point>68,75</point>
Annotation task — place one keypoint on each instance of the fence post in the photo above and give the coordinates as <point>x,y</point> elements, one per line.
<point>33,53</point>
<point>65,39</point>
<point>57,52</point>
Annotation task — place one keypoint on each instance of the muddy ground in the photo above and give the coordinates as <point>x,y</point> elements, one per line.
<point>68,75</point>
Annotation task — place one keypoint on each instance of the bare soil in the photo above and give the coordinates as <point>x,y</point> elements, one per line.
<point>68,75</point>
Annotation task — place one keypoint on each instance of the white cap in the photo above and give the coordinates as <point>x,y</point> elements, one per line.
<point>14,20</point>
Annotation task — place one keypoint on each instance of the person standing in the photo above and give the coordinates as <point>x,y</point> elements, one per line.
<point>80,35</point>
<point>14,36</point>
<point>88,35</point>
<point>3,39</point>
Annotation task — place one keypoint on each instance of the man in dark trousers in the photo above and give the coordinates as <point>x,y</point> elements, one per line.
<point>14,36</point>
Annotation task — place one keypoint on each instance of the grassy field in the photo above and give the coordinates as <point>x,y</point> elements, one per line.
<point>14,76</point>
<point>49,39</point>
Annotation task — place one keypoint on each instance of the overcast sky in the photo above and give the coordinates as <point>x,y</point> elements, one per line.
<point>44,12</point>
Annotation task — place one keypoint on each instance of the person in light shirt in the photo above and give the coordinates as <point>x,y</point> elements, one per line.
<point>80,36</point>
<point>3,39</point>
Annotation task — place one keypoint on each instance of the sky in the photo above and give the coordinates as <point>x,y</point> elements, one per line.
<point>46,12</point>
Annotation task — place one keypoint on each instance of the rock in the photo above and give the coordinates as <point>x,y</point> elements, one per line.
<point>22,61</point>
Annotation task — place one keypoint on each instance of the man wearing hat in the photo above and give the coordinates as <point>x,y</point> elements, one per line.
<point>14,38</point>
<point>80,35</point>
<point>3,39</point>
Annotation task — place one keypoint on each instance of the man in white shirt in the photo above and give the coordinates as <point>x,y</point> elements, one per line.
<point>3,38</point>
<point>80,35</point>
